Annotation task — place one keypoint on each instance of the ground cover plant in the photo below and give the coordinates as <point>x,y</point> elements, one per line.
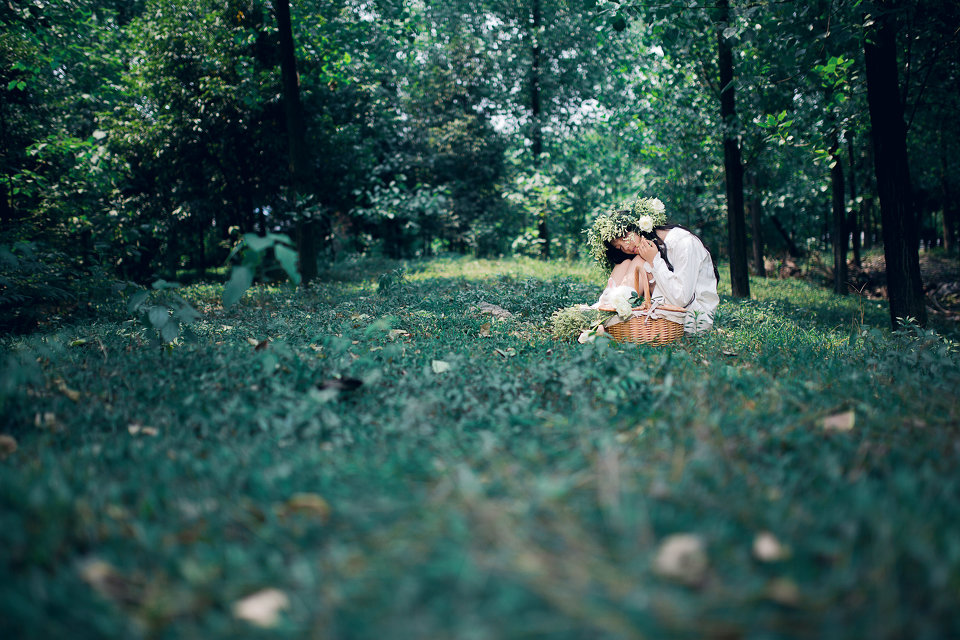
<point>380,456</point>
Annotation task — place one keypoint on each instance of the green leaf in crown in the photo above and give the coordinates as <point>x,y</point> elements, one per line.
<point>642,214</point>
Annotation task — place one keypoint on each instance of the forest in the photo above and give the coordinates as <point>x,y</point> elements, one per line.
<point>143,139</point>
<point>276,286</point>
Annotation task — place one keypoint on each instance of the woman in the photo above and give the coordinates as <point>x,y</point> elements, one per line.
<point>634,241</point>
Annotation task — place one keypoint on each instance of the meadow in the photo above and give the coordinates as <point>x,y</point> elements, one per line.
<point>377,457</point>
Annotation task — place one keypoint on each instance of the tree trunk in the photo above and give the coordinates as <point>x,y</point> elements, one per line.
<point>792,247</point>
<point>869,233</point>
<point>307,230</point>
<point>756,219</point>
<point>900,234</point>
<point>839,227</point>
<point>853,222</point>
<point>732,162</point>
<point>536,122</point>
<point>949,208</point>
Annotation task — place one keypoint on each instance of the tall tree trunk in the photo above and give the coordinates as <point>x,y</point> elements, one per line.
<point>732,161</point>
<point>792,249</point>
<point>536,118</point>
<point>900,234</point>
<point>308,244</point>
<point>853,222</point>
<point>839,219</point>
<point>756,220</point>
<point>950,209</point>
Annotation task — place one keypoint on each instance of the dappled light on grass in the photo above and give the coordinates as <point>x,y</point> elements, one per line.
<point>426,461</point>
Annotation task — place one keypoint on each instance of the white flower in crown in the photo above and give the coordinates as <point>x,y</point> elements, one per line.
<point>657,206</point>
<point>645,223</point>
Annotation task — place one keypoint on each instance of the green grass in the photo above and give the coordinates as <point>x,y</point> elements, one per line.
<point>524,492</point>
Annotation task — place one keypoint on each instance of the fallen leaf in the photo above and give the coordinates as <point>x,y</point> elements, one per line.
<point>79,342</point>
<point>308,503</point>
<point>766,548</point>
<point>67,391</point>
<point>494,310</point>
<point>47,420</point>
<point>109,582</point>
<point>682,557</point>
<point>729,353</point>
<point>253,342</point>
<point>262,608</point>
<point>341,384</point>
<point>840,421</point>
<point>509,352</point>
<point>393,334</point>
<point>784,591</point>
<point>8,445</point>
<point>137,428</point>
<point>439,366</point>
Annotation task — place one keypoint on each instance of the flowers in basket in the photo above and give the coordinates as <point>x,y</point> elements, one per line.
<point>623,300</point>
<point>567,324</point>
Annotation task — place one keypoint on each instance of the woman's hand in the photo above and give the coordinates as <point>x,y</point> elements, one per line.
<point>647,250</point>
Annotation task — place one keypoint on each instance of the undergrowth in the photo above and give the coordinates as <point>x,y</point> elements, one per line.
<point>400,464</point>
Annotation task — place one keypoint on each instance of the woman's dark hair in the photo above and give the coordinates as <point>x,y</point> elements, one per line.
<point>616,256</point>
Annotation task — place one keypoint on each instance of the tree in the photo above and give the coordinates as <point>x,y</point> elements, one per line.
<point>888,132</point>
<point>296,142</point>
<point>732,161</point>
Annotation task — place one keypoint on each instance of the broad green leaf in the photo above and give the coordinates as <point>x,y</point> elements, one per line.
<point>187,314</point>
<point>161,284</point>
<point>287,258</point>
<point>258,243</point>
<point>240,280</point>
<point>159,316</point>
<point>136,300</point>
<point>170,331</point>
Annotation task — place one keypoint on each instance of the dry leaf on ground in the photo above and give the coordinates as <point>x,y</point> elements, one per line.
<point>784,591</point>
<point>494,310</point>
<point>67,391</point>
<point>767,548</point>
<point>109,582</point>
<point>8,445</point>
<point>262,608</point>
<point>840,421</point>
<point>682,557</point>
<point>47,420</point>
<point>308,503</point>
<point>393,334</point>
<point>138,429</point>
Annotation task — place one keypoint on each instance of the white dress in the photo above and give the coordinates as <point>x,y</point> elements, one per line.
<point>692,283</point>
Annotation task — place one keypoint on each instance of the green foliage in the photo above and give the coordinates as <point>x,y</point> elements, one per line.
<point>255,252</point>
<point>40,284</point>
<point>166,312</point>
<point>391,462</point>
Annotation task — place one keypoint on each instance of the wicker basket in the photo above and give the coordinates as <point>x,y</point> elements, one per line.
<point>643,329</point>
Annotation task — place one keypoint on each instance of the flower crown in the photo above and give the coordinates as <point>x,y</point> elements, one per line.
<point>642,214</point>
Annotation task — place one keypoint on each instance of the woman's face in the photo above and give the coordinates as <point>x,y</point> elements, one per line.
<point>630,243</point>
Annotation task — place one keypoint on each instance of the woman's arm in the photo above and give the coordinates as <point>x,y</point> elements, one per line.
<point>680,285</point>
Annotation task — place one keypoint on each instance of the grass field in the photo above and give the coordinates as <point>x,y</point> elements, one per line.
<point>385,461</point>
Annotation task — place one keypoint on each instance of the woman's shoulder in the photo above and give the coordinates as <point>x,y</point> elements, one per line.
<point>679,235</point>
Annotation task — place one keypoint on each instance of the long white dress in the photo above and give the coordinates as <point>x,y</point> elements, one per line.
<point>692,283</point>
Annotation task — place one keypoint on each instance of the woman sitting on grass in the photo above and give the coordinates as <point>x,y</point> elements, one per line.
<point>633,240</point>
